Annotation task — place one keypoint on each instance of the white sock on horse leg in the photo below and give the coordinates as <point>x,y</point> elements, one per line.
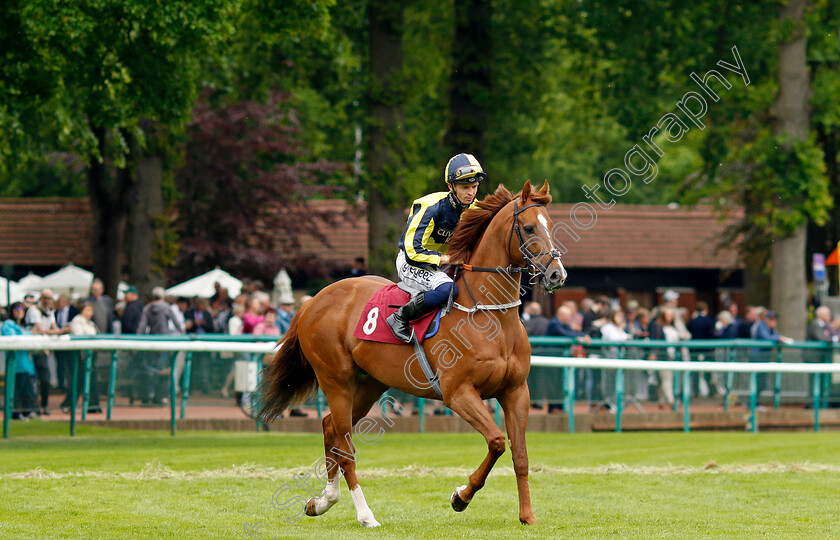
<point>363,512</point>
<point>328,497</point>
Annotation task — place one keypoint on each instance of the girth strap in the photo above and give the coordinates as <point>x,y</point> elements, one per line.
<point>424,365</point>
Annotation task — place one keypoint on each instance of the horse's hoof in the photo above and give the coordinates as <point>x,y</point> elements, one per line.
<point>369,522</point>
<point>457,502</point>
<point>310,507</point>
<point>528,521</point>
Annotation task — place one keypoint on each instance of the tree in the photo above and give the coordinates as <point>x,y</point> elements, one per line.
<point>104,68</point>
<point>244,188</point>
<point>824,65</point>
<point>789,296</point>
<point>470,81</point>
<point>385,193</point>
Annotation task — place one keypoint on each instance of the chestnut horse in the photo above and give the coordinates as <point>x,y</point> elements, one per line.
<point>481,350</point>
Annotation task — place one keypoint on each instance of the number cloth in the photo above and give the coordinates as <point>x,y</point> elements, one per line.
<point>372,325</point>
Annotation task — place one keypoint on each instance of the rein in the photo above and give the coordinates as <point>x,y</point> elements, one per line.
<point>530,267</point>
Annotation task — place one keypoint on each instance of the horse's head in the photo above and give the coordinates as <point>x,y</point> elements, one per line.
<point>532,229</point>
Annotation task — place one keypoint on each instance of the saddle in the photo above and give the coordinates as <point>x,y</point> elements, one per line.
<point>372,325</point>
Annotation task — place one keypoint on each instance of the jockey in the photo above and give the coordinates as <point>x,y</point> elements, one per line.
<point>425,242</point>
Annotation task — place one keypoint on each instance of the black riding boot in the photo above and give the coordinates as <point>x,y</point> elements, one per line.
<point>398,321</point>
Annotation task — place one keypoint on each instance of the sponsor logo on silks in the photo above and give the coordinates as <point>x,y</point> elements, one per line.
<point>444,234</point>
<point>417,274</point>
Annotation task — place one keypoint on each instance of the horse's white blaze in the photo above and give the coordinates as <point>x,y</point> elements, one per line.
<point>328,497</point>
<point>544,222</point>
<point>363,513</point>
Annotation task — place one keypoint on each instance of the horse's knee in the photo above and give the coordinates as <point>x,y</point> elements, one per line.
<point>496,445</point>
<point>329,431</point>
<point>520,467</point>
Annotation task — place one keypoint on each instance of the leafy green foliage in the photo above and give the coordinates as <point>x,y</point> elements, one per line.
<point>115,62</point>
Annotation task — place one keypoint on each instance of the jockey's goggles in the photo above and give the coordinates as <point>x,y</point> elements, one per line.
<point>467,174</point>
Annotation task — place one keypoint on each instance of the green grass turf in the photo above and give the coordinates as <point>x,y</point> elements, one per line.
<point>109,483</point>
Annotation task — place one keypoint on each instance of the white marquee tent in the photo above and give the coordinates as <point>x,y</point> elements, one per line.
<point>31,282</point>
<point>70,280</point>
<point>202,286</point>
<point>15,292</point>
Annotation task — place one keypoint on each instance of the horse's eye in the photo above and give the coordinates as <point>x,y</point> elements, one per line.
<point>529,229</point>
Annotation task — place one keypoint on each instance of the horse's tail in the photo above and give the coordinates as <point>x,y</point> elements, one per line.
<point>289,379</point>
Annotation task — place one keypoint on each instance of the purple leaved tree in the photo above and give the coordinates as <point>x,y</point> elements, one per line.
<point>244,188</point>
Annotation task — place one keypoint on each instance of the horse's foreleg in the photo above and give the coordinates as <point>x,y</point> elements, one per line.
<point>469,406</point>
<point>332,491</point>
<point>516,404</point>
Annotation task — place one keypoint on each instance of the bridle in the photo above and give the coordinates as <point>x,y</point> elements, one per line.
<point>531,266</point>
<point>535,270</point>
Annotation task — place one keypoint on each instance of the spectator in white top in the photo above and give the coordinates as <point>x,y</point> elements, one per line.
<point>83,325</point>
<point>40,319</point>
<point>234,329</point>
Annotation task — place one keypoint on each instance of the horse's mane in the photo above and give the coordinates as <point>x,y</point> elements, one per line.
<point>475,220</point>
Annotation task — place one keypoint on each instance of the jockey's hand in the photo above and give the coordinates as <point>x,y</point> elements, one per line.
<point>444,259</point>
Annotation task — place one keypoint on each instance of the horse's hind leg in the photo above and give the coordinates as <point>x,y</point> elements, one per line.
<point>332,492</point>
<point>468,405</point>
<point>366,393</point>
<point>340,450</point>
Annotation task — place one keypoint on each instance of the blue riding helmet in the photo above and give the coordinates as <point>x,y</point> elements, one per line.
<point>463,169</point>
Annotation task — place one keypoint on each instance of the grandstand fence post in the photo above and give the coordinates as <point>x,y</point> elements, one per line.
<point>9,398</point>
<point>675,384</point>
<point>74,391</point>
<point>252,396</point>
<point>686,391</point>
<point>172,405</point>
<point>421,415</point>
<point>569,397</point>
<point>112,384</point>
<point>86,386</point>
<point>686,397</point>
<point>185,388</point>
<point>319,402</point>
<point>753,400</point>
<point>817,400</point>
<point>730,379</point>
<point>619,398</point>
<point>777,382</point>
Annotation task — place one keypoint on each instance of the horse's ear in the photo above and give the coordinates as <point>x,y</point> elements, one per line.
<point>526,192</point>
<point>544,190</point>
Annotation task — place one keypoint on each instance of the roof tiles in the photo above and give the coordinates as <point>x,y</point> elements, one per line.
<point>57,231</point>
<point>45,231</point>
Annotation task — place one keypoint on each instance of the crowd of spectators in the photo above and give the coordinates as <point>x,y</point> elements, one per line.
<point>605,318</point>
<point>251,312</point>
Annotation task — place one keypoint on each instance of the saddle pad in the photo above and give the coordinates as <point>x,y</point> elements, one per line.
<point>372,325</point>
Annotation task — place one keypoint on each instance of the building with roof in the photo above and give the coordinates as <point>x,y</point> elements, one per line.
<point>639,251</point>
<point>628,252</point>
<point>43,234</point>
